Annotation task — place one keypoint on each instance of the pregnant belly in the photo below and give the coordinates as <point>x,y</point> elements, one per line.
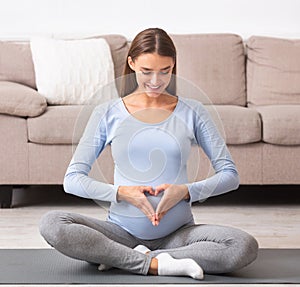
<point>136,222</point>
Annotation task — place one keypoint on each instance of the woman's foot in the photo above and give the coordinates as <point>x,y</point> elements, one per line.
<point>169,266</point>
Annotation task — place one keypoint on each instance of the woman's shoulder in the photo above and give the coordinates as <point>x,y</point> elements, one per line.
<point>108,107</point>
<point>191,104</point>
<point>196,110</point>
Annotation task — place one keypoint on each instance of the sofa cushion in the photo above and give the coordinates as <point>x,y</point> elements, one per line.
<point>59,125</point>
<point>238,125</point>
<point>213,62</point>
<point>281,124</point>
<point>16,63</point>
<point>73,72</point>
<point>273,71</point>
<point>65,124</point>
<point>119,48</point>
<point>20,100</point>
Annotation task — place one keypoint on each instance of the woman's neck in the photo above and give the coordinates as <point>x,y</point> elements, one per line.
<point>145,101</point>
<point>149,109</point>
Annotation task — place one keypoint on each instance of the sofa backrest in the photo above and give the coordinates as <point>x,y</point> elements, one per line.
<point>273,71</point>
<point>16,63</point>
<point>215,63</point>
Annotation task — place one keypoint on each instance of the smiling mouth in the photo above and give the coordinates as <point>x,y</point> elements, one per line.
<point>154,88</point>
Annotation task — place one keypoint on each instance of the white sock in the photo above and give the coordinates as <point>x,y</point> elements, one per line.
<point>104,267</point>
<point>167,265</point>
<point>140,248</point>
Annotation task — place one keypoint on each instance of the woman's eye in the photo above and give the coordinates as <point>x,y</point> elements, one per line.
<point>146,73</point>
<point>149,72</point>
<point>165,73</point>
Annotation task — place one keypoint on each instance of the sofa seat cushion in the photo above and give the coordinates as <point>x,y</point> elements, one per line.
<point>65,124</point>
<point>59,125</point>
<point>238,125</point>
<point>281,124</point>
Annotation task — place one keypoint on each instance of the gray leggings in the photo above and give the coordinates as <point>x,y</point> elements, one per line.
<point>217,249</point>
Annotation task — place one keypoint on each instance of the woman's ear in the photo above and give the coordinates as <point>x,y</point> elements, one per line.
<point>131,63</point>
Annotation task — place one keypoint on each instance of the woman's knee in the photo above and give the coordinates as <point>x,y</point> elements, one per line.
<point>250,248</point>
<point>246,250</point>
<point>50,226</point>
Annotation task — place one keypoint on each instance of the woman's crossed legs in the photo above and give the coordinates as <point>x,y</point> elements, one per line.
<point>217,249</point>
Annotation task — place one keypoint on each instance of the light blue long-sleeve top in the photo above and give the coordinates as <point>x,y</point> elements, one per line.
<point>150,154</point>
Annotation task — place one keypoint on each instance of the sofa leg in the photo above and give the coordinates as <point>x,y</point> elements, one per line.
<point>6,193</point>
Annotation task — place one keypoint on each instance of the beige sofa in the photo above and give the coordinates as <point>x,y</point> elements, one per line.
<point>254,86</point>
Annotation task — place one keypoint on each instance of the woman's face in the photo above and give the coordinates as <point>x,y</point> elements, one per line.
<point>153,73</point>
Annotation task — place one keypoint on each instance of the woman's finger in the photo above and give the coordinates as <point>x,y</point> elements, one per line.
<point>148,189</point>
<point>159,216</point>
<point>148,210</point>
<point>161,188</point>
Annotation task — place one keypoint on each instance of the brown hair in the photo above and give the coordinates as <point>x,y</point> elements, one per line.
<point>151,40</point>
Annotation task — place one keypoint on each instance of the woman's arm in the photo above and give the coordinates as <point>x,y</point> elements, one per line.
<point>226,177</point>
<point>93,141</point>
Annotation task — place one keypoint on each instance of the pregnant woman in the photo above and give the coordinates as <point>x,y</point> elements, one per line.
<point>150,227</point>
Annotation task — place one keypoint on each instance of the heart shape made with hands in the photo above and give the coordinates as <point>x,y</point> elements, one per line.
<point>135,195</point>
<point>172,195</point>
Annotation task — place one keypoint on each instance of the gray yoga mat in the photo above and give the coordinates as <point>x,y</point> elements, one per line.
<point>47,266</point>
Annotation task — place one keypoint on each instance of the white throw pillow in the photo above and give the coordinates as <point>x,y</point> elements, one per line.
<point>73,72</point>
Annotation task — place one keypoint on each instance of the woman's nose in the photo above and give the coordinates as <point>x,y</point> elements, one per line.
<point>154,79</point>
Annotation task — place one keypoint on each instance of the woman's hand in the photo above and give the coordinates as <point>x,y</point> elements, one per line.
<point>172,195</point>
<point>135,195</point>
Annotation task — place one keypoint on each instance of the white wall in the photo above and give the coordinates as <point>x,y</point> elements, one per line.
<point>19,19</point>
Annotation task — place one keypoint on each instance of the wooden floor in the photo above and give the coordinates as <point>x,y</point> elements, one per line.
<point>270,213</point>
